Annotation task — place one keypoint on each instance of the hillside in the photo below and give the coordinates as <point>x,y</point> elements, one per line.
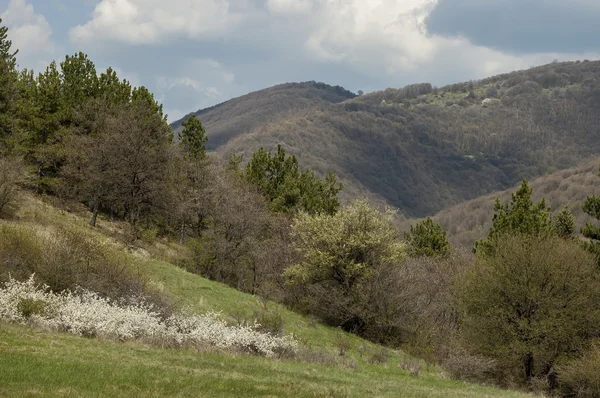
<point>421,148</point>
<point>471,220</point>
<point>38,362</point>
<point>244,114</point>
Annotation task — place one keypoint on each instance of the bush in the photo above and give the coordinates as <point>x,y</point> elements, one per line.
<point>581,377</point>
<point>64,260</point>
<point>532,302</point>
<point>29,306</point>
<point>340,255</point>
<point>381,356</point>
<point>411,366</point>
<point>467,367</point>
<point>343,343</point>
<point>84,313</point>
<point>269,322</point>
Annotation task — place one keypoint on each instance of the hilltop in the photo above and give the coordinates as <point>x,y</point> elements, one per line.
<point>421,148</point>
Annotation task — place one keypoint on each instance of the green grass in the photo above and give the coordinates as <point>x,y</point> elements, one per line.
<point>34,363</point>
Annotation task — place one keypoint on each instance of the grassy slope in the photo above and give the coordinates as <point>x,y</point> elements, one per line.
<point>34,362</point>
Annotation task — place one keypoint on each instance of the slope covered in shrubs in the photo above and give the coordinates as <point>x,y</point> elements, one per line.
<point>85,366</point>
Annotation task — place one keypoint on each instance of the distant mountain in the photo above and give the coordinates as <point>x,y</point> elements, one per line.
<point>241,115</point>
<point>421,148</point>
<point>472,219</point>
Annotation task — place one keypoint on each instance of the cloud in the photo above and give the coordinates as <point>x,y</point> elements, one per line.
<point>30,33</point>
<point>156,21</point>
<point>290,6</point>
<point>521,27</point>
<point>197,53</point>
<point>198,83</point>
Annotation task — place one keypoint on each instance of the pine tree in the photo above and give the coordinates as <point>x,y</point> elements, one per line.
<point>279,179</point>
<point>427,239</point>
<point>8,90</point>
<point>519,217</point>
<point>193,137</point>
<point>564,223</point>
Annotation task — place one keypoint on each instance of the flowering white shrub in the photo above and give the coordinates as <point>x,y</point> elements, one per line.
<point>86,314</point>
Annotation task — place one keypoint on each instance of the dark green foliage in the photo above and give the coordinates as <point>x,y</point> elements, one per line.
<point>8,90</point>
<point>193,137</point>
<point>427,238</point>
<point>279,179</point>
<point>11,176</point>
<point>532,302</point>
<point>79,82</point>
<point>564,223</point>
<point>519,217</point>
<point>592,207</point>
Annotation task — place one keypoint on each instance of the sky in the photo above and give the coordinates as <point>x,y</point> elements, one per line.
<point>196,53</point>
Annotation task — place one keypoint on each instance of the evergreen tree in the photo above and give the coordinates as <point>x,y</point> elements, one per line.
<point>519,217</point>
<point>79,83</point>
<point>279,179</point>
<point>592,232</point>
<point>193,137</point>
<point>564,223</point>
<point>427,239</point>
<point>114,90</point>
<point>8,90</point>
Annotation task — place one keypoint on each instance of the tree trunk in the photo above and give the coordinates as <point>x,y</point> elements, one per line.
<point>528,366</point>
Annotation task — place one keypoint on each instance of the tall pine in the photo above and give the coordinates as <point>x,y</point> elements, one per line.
<point>8,90</point>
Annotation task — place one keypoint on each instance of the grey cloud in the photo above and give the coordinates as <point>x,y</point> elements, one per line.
<point>521,26</point>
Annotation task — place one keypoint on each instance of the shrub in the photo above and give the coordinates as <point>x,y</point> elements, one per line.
<point>381,356</point>
<point>269,322</point>
<point>581,377</point>
<point>29,306</point>
<point>411,366</point>
<point>530,303</point>
<point>85,313</point>
<point>63,260</point>
<point>340,254</point>
<point>467,367</point>
<point>343,343</point>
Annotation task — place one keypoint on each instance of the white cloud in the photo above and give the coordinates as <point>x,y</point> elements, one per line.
<point>30,33</point>
<point>198,83</point>
<point>290,6</point>
<point>155,21</point>
<point>249,44</point>
<point>390,38</point>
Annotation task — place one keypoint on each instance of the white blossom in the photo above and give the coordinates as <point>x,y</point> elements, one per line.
<point>84,313</point>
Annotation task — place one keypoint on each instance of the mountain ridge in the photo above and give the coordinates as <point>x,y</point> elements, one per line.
<point>421,148</point>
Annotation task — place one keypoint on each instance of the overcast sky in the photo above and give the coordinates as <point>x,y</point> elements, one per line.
<point>196,53</point>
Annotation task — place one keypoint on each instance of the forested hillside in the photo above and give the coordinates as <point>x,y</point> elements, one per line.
<point>471,220</point>
<point>422,148</point>
<point>106,212</point>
